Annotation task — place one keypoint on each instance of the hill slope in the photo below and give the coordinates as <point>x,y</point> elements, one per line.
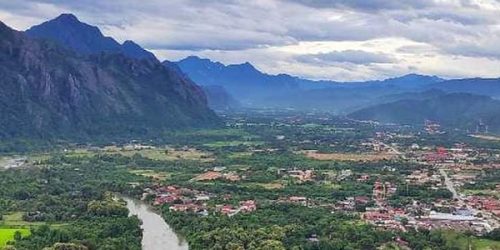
<point>51,91</point>
<point>456,110</point>
<point>480,86</point>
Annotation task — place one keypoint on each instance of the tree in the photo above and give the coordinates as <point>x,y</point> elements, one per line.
<point>494,235</point>
<point>17,236</point>
<point>271,245</point>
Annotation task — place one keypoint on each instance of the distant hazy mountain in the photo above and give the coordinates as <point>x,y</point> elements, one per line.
<point>257,89</point>
<point>456,110</point>
<point>86,39</point>
<point>411,81</point>
<point>480,86</point>
<point>411,95</point>
<point>243,81</point>
<point>48,90</point>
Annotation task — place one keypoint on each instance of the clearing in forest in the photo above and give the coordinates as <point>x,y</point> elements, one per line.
<point>313,154</point>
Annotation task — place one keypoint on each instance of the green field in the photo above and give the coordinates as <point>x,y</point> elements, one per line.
<point>233,143</point>
<point>151,173</point>
<point>16,220</point>
<point>461,241</point>
<point>7,234</point>
<point>482,192</point>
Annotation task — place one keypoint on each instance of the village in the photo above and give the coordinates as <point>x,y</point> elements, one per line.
<point>392,178</point>
<point>440,169</point>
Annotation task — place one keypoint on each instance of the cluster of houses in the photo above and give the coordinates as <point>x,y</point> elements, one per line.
<point>382,190</point>
<point>179,199</point>
<point>299,175</point>
<point>420,177</point>
<point>244,207</point>
<point>419,216</point>
<point>484,203</point>
<point>195,201</point>
<point>350,203</point>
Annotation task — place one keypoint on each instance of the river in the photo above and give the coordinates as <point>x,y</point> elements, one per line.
<point>157,234</point>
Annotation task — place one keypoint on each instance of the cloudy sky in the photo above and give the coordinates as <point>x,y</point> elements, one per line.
<point>318,39</point>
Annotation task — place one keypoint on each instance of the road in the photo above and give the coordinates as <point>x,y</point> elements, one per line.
<point>393,149</point>
<point>449,184</point>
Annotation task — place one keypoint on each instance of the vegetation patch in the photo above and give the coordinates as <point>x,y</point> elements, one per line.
<point>313,154</point>
<point>7,234</point>
<point>160,176</point>
<point>272,185</point>
<point>233,143</point>
<point>461,241</point>
<point>160,154</point>
<point>16,220</point>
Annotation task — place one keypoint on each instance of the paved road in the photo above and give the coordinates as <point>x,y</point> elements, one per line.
<point>449,184</point>
<point>394,150</point>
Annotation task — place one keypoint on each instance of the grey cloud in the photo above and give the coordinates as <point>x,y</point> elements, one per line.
<point>448,28</point>
<point>346,56</point>
<point>485,49</point>
<point>370,5</point>
<point>234,25</point>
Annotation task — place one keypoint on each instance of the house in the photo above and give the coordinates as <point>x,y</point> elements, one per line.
<point>301,175</point>
<point>202,198</point>
<point>363,178</point>
<point>361,199</point>
<point>248,206</point>
<point>227,210</point>
<point>376,216</point>
<point>185,208</point>
<point>165,198</point>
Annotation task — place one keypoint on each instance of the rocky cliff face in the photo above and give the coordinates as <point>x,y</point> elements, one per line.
<point>48,90</point>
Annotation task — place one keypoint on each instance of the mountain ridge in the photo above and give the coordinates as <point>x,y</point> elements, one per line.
<point>84,38</point>
<point>51,91</point>
<point>454,110</point>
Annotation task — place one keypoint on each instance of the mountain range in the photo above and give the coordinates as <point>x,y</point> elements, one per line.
<point>409,99</point>
<point>254,88</point>
<point>64,75</point>
<point>53,90</point>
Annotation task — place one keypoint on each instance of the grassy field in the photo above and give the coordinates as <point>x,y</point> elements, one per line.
<point>161,176</point>
<point>271,185</point>
<point>312,154</point>
<point>15,220</point>
<point>165,154</point>
<point>7,234</point>
<point>487,137</point>
<point>462,242</point>
<point>481,192</point>
<point>232,143</point>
